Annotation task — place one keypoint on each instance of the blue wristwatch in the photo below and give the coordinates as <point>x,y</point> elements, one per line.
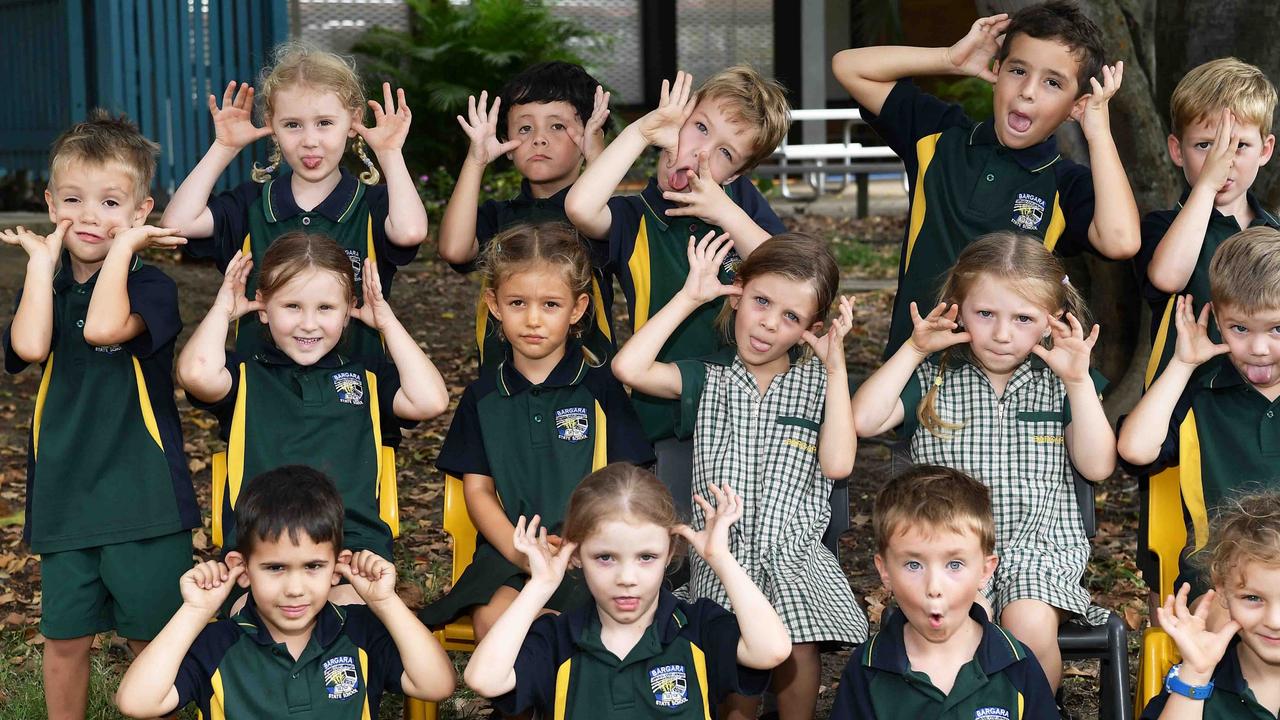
<point>1175,684</point>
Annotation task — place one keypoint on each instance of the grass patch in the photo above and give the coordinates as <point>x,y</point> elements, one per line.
<point>865,259</point>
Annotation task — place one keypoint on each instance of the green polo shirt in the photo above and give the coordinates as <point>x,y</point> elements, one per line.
<point>251,216</point>
<point>105,461</point>
<point>235,669</point>
<point>493,217</point>
<point>1231,700</point>
<point>1224,436</point>
<point>964,184</point>
<point>1003,681</point>
<point>329,415</point>
<point>1164,332</point>
<point>684,665</point>
<point>648,254</point>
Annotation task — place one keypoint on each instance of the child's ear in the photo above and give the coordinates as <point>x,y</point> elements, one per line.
<point>884,574</point>
<point>233,559</point>
<point>143,210</point>
<point>1175,150</point>
<point>1268,145</point>
<point>1077,109</point>
<point>343,558</point>
<point>733,299</point>
<point>816,327</point>
<point>48,201</point>
<point>491,299</point>
<point>989,564</point>
<point>262,314</point>
<point>579,308</point>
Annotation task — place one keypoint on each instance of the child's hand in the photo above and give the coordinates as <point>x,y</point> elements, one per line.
<point>1094,117</point>
<point>390,126</point>
<point>46,249</point>
<point>374,311</point>
<point>706,256</point>
<point>1200,648</point>
<point>591,142</point>
<point>233,123</point>
<point>661,126</point>
<point>830,347</point>
<point>973,54</point>
<point>142,237</point>
<point>231,298</point>
<point>704,198</point>
<point>1221,159</point>
<point>713,542</point>
<point>481,126</point>
<point>936,331</point>
<point>1194,347</point>
<point>547,564</point>
<point>1069,358</point>
<point>206,586</point>
<point>371,576</point>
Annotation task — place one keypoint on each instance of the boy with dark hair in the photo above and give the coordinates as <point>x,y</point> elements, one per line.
<point>937,655</point>
<point>553,119</point>
<point>108,489</point>
<point>288,649</point>
<point>971,178</point>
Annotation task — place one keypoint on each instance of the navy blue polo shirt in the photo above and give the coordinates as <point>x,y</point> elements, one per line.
<point>648,252</point>
<point>1231,700</point>
<point>235,669</point>
<point>684,665</point>
<point>1003,680</point>
<point>964,184</point>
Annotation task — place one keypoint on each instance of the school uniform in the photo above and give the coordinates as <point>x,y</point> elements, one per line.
<point>766,449</point>
<point>234,669</point>
<point>684,665</point>
<point>250,217</point>
<point>647,251</point>
<point>330,415</point>
<point>1231,699</point>
<point>1164,331</point>
<point>1224,436</point>
<point>1003,681</point>
<point>107,480</point>
<point>964,184</point>
<point>493,217</point>
<point>537,442</point>
<point>1015,444</point>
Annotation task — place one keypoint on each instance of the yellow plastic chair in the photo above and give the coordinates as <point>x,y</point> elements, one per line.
<point>1166,537</point>
<point>460,634</point>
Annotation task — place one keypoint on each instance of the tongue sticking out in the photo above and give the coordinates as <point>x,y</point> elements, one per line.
<point>1259,375</point>
<point>679,179</point>
<point>311,163</point>
<point>1019,122</point>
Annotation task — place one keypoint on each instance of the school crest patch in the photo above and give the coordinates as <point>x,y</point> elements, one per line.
<point>350,388</point>
<point>340,677</point>
<point>991,713</point>
<point>731,263</point>
<point>571,424</point>
<point>1028,211</point>
<point>357,263</point>
<point>670,685</point>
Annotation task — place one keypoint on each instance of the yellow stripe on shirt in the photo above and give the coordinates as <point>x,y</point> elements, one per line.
<point>41,395</point>
<point>364,675</point>
<point>1162,338</point>
<point>562,688</point>
<point>700,669</point>
<point>217,700</point>
<point>1057,224</point>
<point>638,264</point>
<point>1190,480</point>
<point>925,148</point>
<point>600,454</point>
<point>144,402</point>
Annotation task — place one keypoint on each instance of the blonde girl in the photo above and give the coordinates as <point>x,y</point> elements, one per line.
<point>995,382</point>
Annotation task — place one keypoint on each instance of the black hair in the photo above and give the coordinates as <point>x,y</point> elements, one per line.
<point>291,499</point>
<point>1066,23</point>
<point>549,82</point>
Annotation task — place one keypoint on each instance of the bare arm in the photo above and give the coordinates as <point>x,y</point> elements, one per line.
<point>1091,443</point>
<point>31,332</point>
<point>202,364</point>
<point>485,510</point>
<point>837,442</point>
<point>1115,230</point>
<point>457,243</point>
<point>110,319</point>
<point>1200,648</point>
<point>406,223</point>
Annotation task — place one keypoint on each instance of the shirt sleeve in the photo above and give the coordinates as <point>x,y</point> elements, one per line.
<point>153,296</point>
<point>627,440</point>
<point>623,227</point>
<point>230,211</point>
<point>1028,677</point>
<point>385,664</point>
<point>390,255</point>
<point>718,636</point>
<point>754,204</point>
<point>913,394</point>
<point>693,380</point>
<point>463,451</point>
<point>1155,707</point>
<point>12,363</point>
<point>1075,200</point>
<point>224,409</point>
<point>486,228</point>
<point>908,115</point>
<point>1154,227</point>
<point>1169,450</point>
<point>535,668</point>
<point>853,696</point>
<point>194,681</point>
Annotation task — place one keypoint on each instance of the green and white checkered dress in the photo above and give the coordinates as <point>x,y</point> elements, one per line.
<point>1016,446</point>
<point>766,449</point>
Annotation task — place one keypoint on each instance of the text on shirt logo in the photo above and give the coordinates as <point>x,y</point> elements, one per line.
<point>571,424</point>
<point>670,685</point>
<point>1028,211</point>
<point>340,677</point>
<point>350,388</point>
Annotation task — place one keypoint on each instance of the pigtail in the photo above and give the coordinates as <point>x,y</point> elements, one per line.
<point>927,411</point>
<point>371,175</point>
<point>1072,301</point>
<point>262,174</point>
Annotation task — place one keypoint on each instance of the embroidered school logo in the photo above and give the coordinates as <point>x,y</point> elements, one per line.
<point>670,686</point>
<point>990,713</point>
<point>350,388</point>
<point>571,424</point>
<point>357,263</point>
<point>1028,211</point>
<point>340,678</point>
<point>731,263</point>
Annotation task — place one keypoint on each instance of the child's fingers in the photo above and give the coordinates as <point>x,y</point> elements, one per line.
<point>1203,319</point>
<point>387,98</point>
<point>1094,333</point>
<point>228,93</point>
<point>664,95</point>
<point>403,107</point>
<point>707,508</point>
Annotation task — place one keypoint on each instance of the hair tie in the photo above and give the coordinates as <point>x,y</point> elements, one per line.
<point>1066,280</point>
<point>937,380</point>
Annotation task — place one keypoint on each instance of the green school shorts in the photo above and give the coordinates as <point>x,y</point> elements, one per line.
<point>129,587</point>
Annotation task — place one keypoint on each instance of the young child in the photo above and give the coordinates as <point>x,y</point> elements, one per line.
<point>108,490</point>
<point>970,178</point>
<point>937,655</point>
<point>298,400</point>
<point>313,103</point>
<point>524,436</point>
<point>710,140</point>
<point>553,120</point>
<point>679,659</point>
<point>1000,407</point>
<point>1220,135</point>
<point>289,648</point>
<point>1232,671</point>
<point>1212,410</point>
<point>774,421</point>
